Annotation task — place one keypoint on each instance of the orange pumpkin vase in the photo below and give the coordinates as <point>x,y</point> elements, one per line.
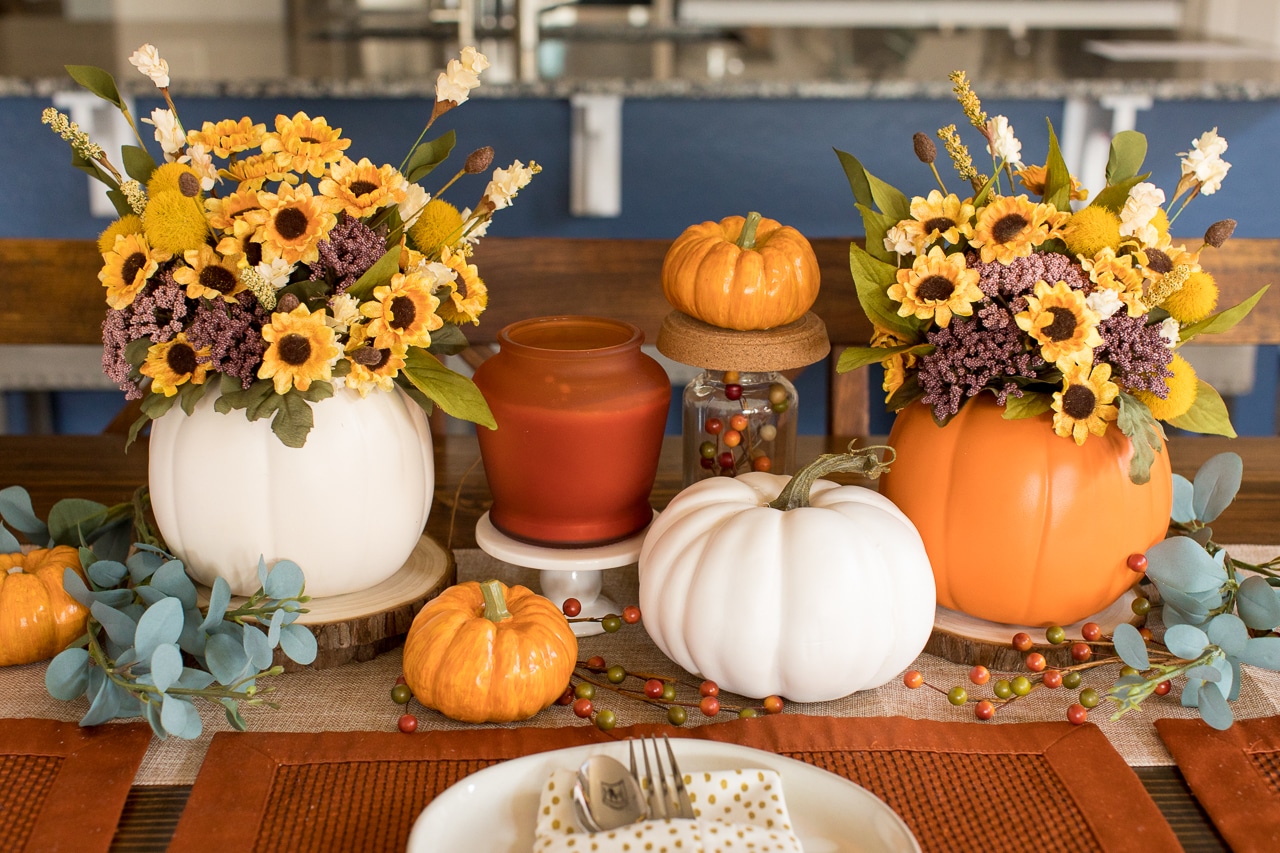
<point>37,617</point>
<point>1022,526</point>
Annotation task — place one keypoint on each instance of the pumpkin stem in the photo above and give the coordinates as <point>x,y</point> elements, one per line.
<point>866,461</point>
<point>495,603</point>
<point>747,239</point>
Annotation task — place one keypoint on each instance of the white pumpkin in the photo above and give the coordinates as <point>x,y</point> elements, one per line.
<point>810,603</point>
<point>348,507</point>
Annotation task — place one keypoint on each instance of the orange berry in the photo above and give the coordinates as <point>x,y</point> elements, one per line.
<point>913,679</point>
<point>979,674</point>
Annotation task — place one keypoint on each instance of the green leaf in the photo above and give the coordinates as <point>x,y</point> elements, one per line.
<point>166,666</point>
<point>16,509</point>
<point>106,574</point>
<point>319,390</point>
<point>1183,509</point>
<point>1216,485</point>
<point>891,201</point>
<point>1128,150</point>
<point>981,198</point>
<point>138,164</point>
<point>180,718</point>
<point>1029,405</point>
<point>136,428</point>
<point>106,700</point>
<point>119,202</point>
<point>1186,641</point>
<point>234,397</point>
<point>118,625</point>
<point>877,225</point>
<point>172,580</point>
<point>1228,633</point>
<point>1130,646</point>
<point>857,176</point>
<point>1208,414</point>
<point>909,392</point>
<point>219,599</point>
<point>155,405</point>
<point>1262,651</point>
<point>1113,197</point>
<point>67,676</point>
<point>233,715</point>
<point>9,543</point>
<point>376,275</point>
<point>98,81</point>
<point>285,580</point>
<point>190,394</point>
<point>1213,706</point>
<point>160,625</point>
<point>854,357</point>
<point>1258,603</point>
<point>73,519</point>
<point>453,392</point>
<point>1145,434</point>
<point>298,643</point>
<point>293,419</point>
<point>447,340</point>
<point>1180,563</point>
<point>1223,320</point>
<point>94,171</point>
<point>872,279</point>
<point>1057,181</point>
<point>226,658</point>
<point>428,155</point>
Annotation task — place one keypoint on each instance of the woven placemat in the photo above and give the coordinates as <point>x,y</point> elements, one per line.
<point>1234,774</point>
<point>63,787</point>
<point>958,785</point>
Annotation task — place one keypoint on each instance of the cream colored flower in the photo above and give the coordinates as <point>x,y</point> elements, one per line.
<point>147,60</point>
<point>473,60</point>
<point>506,183</point>
<point>415,199</point>
<point>345,312</point>
<point>1005,146</point>
<point>898,240</point>
<point>461,76</point>
<point>201,160</point>
<point>1205,162</point>
<point>1103,302</point>
<point>276,272</point>
<point>169,132</point>
<point>1140,208</point>
<point>1170,331</point>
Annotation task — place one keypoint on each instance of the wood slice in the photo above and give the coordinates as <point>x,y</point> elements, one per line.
<point>962,638</point>
<point>359,626</point>
<point>693,342</point>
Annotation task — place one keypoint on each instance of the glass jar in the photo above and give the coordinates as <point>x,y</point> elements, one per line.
<point>737,422</point>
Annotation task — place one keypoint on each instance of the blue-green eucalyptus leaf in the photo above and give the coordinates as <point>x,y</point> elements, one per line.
<point>1183,510</point>
<point>113,540</point>
<point>257,647</point>
<point>1191,692</point>
<point>143,564</point>
<point>180,717</point>
<point>1234,694</point>
<point>73,521</point>
<point>1223,666</point>
<point>273,630</point>
<point>105,705</point>
<point>67,676</point>
<point>1172,616</point>
<point>1180,563</point>
<point>1189,607</point>
<point>219,599</point>
<point>76,588</point>
<point>1129,681</point>
<point>1214,709</point>
<point>119,626</point>
<point>1228,633</point>
<point>151,713</point>
<point>284,580</point>
<point>1216,485</point>
<point>16,510</point>
<point>192,639</point>
<point>171,578</point>
<point>232,709</point>
<point>262,570</point>
<point>1130,646</point>
<point>298,643</point>
<point>226,658</point>
<point>166,666</point>
<point>107,573</point>
<point>1258,603</point>
<point>160,625</point>
<point>150,595</point>
<point>9,543</point>
<point>1186,641</point>
<point>1204,673</point>
<point>1263,652</point>
<point>194,679</point>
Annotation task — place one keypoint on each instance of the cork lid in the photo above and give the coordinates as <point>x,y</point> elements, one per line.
<point>693,342</point>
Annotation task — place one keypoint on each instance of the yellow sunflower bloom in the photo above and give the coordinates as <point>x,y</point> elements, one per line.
<point>127,267</point>
<point>301,350</point>
<point>372,368</point>
<point>1116,272</point>
<point>240,246</point>
<point>362,188</point>
<point>228,137</point>
<point>208,275</point>
<point>467,294</point>
<point>173,364</point>
<point>1012,226</point>
<point>291,223</point>
<point>403,312</point>
<point>1183,386</point>
<point>252,172</point>
<point>1062,323</point>
<point>305,145</point>
<point>938,217</point>
<point>223,212</point>
<point>895,366</point>
<point>128,224</point>
<point>1086,402</point>
<point>1155,261</point>
<point>1034,177</point>
<point>937,286</point>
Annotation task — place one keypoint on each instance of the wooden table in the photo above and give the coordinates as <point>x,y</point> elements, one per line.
<point>97,468</point>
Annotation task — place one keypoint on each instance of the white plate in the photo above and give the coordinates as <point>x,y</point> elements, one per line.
<point>495,810</point>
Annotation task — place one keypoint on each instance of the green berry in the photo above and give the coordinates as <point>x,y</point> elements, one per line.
<point>401,694</point>
<point>616,674</point>
<point>605,719</point>
<point>957,696</point>
<point>1127,670</point>
<point>1089,697</point>
<point>677,715</point>
<point>1021,685</point>
<point>1140,606</point>
<point>1057,635</point>
<point>1002,688</point>
<point>1071,680</point>
<point>748,713</point>
<point>611,623</point>
<point>668,692</point>
<point>585,690</point>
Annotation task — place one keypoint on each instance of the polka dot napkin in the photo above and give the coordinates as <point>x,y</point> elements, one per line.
<point>742,811</point>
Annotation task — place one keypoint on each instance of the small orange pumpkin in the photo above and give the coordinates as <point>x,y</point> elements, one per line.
<point>37,617</point>
<point>488,653</point>
<point>744,274</point>
<point>1022,526</point>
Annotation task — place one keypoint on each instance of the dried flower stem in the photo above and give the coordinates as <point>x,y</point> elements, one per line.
<point>969,102</point>
<point>960,157</point>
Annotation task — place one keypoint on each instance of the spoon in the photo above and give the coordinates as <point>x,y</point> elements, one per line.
<point>606,795</point>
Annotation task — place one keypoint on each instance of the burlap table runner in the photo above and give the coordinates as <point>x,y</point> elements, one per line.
<point>63,787</point>
<point>957,785</point>
<point>356,697</point>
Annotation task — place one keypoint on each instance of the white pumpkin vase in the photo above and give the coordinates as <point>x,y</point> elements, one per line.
<point>348,507</point>
<point>794,586</point>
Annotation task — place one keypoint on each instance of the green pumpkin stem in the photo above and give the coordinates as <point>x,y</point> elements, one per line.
<point>747,239</point>
<point>866,461</point>
<point>495,603</point>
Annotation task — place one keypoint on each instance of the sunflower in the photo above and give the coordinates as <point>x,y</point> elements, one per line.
<point>175,363</point>
<point>304,144</point>
<point>467,294</point>
<point>438,224</point>
<point>1065,327</point>
<point>1012,226</point>
<point>291,223</point>
<point>228,137</point>
<point>222,213</point>
<point>208,275</point>
<point>1086,402</point>
<point>1183,386</point>
<point>127,267</point>
<point>937,286</point>
<point>895,366</point>
<point>361,188</point>
<point>252,172</point>
<point>128,224</point>
<point>301,350</point>
<point>239,244</point>
<point>938,218</point>
<point>372,367</point>
<point>1155,261</point>
<point>403,312</point>
<point>1112,272</point>
<point>1034,178</point>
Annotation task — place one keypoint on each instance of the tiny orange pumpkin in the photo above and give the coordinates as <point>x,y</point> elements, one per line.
<point>37,617</point>
<point>488,653</point>
<point>744,274</point>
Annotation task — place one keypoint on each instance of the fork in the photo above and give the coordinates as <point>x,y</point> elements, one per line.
<point>665,801</point>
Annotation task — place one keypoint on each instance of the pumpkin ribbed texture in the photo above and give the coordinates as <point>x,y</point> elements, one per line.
<point>1022,526</point>
<point>477,671</point>
<point>37,617</point>
<point>709,277</point>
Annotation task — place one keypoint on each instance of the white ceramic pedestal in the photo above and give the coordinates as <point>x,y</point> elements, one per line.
<point>565,572</point>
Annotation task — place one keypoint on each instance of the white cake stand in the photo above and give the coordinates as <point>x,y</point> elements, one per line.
<point>565,572</point>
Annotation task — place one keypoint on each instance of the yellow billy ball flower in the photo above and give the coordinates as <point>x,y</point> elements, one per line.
<point>1091,230</point>
<point>174,223</point>
<point>1195,300</point>
<point>174,177</point>
<point>1182,391</point>
<point>125,225</point>
<point>1161,223</point>
<point>440,224</point>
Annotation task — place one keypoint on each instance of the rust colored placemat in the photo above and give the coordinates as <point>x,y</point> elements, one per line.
<point>958,785</point>
<point>1234,774</point>
<point>63,787</point>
